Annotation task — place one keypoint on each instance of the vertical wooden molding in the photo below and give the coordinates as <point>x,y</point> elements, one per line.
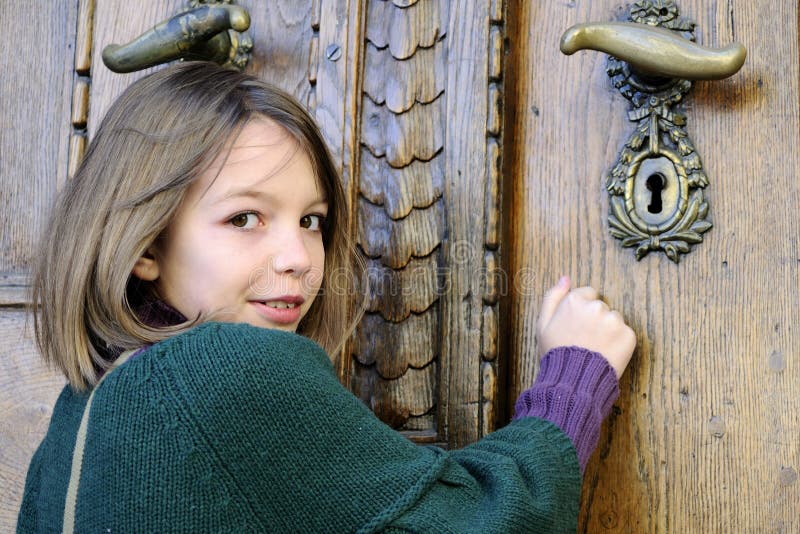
<point>316,10</point>
<point>496,278</point>
<point>82,84</point>
<point>462,376</point>
<point>313,57</point>
<point>83,42</point>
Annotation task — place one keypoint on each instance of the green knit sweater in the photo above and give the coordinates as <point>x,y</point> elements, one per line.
<point>232,428</point>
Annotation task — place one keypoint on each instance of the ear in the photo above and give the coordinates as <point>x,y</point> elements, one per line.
<point>146,267</point>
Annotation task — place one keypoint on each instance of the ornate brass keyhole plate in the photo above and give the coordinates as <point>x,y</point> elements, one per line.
<point>656,185</point>
<point>658,152</point>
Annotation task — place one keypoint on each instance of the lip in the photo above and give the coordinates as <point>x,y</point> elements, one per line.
<point>280,315</point>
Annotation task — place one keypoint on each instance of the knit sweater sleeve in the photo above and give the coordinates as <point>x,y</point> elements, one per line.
<point>575,389</point>
<point>298,452</point>
<point>27,519</point>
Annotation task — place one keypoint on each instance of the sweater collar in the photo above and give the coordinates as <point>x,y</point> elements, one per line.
<point>157,313</point>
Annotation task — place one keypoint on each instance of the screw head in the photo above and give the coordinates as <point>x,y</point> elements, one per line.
<point>333,52</point>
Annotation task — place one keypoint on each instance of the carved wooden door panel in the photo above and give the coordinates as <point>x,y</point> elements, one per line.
<point>706,434</point>
<point>408,93</point>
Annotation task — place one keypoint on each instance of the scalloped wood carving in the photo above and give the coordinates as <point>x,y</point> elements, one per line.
<point>395,242</point>
<point>417,185</point>
<point>405,29</point>
<point>397,293</point>
<point>394,347</point>
<point>401,84</point>
<point>416,134</point>
<point>395,401</point>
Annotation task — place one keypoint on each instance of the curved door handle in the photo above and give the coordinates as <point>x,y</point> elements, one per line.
<point>655,51</point>
<point>209,32</point>
<point>656,185</point>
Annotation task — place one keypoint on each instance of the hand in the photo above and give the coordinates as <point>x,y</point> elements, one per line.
<point>579,318</point>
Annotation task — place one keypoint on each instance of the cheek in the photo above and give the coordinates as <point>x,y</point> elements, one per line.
<point>317,270</point>
<point>312,279</point>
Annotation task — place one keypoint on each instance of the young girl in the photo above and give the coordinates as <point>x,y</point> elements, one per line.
<point>190,288</point>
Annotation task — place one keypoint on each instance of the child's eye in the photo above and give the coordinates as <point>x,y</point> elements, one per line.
<point>245,220</point>
<point>312,222</point>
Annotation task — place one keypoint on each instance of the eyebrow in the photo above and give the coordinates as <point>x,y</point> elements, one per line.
<point>261,195</point>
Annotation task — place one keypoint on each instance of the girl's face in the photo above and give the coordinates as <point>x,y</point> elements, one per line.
<point>246,242</point>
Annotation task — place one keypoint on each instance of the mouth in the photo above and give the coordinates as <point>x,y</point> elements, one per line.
<point>279,304</point>
<point>281,310</point>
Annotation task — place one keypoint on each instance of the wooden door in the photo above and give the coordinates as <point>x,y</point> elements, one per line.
<point>705,436</point>
<point>408,94</point>
<point>473,154</point>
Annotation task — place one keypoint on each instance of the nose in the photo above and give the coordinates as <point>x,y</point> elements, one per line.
<point>291,254</point>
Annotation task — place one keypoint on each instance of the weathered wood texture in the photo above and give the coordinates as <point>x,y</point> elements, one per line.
<point>34,141</point>
<point>704,437</point>
<point>81,85</point>
<point>335,76</point>
<point>34,126</point>
<point>471,178</point>
<point>28,391</point>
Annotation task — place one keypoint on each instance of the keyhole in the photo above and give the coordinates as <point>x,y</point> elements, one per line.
<point>655,183</point>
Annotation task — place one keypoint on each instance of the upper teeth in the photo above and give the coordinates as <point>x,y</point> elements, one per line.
<point>280,304</point>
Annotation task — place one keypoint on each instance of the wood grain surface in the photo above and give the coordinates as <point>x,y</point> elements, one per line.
<point>34,121</point>
<point>38,40</point>
<point>399,210</point>
<point>705,436</point>
<point>465,189</point>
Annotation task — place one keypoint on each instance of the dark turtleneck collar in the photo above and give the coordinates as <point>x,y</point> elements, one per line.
<point>157,313</point>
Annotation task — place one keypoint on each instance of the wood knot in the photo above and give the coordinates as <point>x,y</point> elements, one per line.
<point>716,426</point>
<point>787,476</point>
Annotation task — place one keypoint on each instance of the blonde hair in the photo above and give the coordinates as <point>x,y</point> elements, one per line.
<point>161,133</point>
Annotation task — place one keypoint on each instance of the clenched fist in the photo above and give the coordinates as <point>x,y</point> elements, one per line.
<point>580,318</point>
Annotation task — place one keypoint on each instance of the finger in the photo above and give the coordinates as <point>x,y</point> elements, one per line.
<point>586,293</point>
<point>552,299</point>
<point>599,306</point>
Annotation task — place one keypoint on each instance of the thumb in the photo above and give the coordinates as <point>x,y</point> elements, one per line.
<point>552,299</point>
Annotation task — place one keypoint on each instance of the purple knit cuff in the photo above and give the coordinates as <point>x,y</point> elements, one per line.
<point>575,390</point>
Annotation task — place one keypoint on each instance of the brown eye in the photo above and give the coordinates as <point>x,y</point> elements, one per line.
<point>244,220</point>
<point>312,222</point>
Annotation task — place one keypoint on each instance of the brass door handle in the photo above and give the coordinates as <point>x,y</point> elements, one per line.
<point>656,185</point>
<point>655,51</point>
<point>209,32</point>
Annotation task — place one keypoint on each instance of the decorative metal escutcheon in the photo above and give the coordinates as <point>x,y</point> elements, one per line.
<point>656,185</point>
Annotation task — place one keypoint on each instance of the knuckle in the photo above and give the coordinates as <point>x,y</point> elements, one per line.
<point>598,306</point>
<point>630,334</point>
